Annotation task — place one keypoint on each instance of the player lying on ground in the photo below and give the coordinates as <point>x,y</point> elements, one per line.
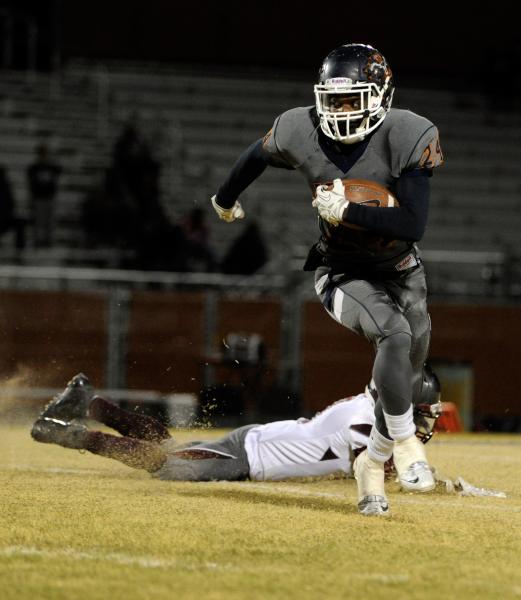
<point>323,445</point>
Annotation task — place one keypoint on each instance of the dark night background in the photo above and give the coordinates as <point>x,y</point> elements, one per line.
<point>425,44</point>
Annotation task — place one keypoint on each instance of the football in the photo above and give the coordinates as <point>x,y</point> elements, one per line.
<point>370,193</point>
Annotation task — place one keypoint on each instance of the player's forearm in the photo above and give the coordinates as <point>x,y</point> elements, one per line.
<point>408,222</point>
<point>250,165</point>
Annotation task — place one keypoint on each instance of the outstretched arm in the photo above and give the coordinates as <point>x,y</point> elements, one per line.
<point>249,166</point>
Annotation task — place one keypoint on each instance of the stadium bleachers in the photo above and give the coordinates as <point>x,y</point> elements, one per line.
<point>198,125</point>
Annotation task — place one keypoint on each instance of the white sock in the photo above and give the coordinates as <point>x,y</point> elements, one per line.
<point>400,427</point>
<point>379,447</point>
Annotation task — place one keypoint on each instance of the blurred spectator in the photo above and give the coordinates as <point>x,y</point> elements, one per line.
<point>105,218</point>
<point>112,217</point>
<point>8,219</point>
<point>126,210</point>
<point>197,236</point>
<point>161,246</point>
<point>133,163</point>
<point>43,176</point>
<point>247,253</point>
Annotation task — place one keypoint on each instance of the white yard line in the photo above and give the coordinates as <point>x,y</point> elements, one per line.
<point>146,562</point>
<point>382,577</point>
<point>36,469</point>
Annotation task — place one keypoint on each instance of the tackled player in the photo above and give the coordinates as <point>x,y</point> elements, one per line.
<point>369,279</point>
<point>324,445</point>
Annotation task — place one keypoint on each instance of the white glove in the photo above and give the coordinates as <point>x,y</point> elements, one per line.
<point>331,203</point>
<point>228,214</point>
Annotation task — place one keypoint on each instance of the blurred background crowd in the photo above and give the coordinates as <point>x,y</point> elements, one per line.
<point>118,123</point>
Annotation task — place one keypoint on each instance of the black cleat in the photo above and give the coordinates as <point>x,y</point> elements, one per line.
<point>53,431</point>
<point>72,403</point>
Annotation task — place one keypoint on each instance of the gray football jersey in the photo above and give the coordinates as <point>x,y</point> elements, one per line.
<point>403,142</point>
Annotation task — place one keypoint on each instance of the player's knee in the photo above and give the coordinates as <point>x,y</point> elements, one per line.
<point>396,344</point>
<point>382,325</point>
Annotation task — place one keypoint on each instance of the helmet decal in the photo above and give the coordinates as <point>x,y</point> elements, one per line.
<point>377,69</point>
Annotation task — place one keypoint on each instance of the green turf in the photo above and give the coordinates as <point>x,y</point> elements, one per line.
<point>76,526</point>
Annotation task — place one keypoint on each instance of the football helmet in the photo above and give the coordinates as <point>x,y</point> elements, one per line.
<point>428,410</point>
<point>359,76</point>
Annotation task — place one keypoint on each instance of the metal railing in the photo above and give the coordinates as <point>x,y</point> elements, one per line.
<point>293,288</point>
<point>118,286</point>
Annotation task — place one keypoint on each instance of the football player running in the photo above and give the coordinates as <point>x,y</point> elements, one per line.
<point>323,445</point>
<point>369,278</point>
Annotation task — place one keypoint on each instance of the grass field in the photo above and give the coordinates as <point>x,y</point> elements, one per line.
<point>76,526</point>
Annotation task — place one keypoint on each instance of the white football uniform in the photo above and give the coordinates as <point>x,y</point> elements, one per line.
<point>311,447</point>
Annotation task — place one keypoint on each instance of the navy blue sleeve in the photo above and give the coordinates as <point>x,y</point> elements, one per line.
<point>409,220</point>
<point>250,165</point>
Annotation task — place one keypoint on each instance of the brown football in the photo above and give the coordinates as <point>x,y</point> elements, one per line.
<point>370,193</point>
